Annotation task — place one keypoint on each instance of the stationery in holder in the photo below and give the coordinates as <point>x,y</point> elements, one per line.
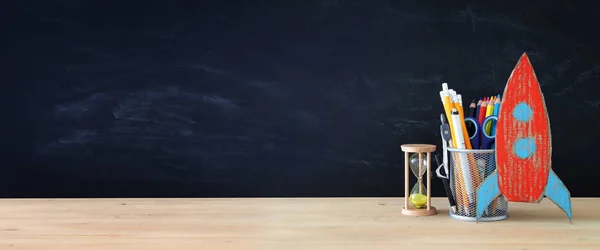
<point>483,164</point>
<point>460,143</point>
<point>468,158</point>
<point>445,132</point>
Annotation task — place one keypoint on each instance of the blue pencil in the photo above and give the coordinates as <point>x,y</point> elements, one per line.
<point>496,112</point>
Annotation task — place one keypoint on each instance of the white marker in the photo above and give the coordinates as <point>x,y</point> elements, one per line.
<point>464,162</point>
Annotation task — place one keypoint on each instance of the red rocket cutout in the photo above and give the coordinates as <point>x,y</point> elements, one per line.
<point>523,147</point>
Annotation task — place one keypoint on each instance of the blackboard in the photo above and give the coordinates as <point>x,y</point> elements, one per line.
<point>280,98</point>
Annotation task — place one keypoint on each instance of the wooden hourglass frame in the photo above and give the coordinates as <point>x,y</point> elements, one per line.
<point>418,149</point>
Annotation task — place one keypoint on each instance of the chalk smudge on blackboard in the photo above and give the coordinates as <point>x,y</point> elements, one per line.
<point>203,67</point>
<point>562,67</point>
<point>308,119</point>
<point>429,80</point>
<point>161,105</point>
<point>594,104</point>
<point>78,137</point>
<point>563,91</point>
<point>271,88</point>
<point>400,126</point>
<point>468,13</point>
<point>79,108</point>
<point>426,107</point>
<point>95,52</point>
<point>593,72</point>
<point>219,101</point>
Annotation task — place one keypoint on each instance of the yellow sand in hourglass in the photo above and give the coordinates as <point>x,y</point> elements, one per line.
<point>420,196</point>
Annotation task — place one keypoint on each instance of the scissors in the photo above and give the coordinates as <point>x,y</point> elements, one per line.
<point>480,139</point>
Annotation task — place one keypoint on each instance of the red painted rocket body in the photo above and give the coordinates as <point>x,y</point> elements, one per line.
<point>523,141</point>
<point>523,147</point>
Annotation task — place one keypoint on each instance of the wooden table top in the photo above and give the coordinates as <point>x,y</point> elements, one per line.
<point>284,223</point>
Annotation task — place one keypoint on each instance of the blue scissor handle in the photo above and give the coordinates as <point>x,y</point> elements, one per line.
<point>480,139</point>
<point>488,141</point>
<point>475,141</point>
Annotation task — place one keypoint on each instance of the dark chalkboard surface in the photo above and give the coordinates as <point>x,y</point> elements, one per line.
<point>281,98</point>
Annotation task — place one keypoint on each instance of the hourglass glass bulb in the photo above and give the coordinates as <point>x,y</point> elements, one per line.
<point>414,164</point>
<point>418,195</point>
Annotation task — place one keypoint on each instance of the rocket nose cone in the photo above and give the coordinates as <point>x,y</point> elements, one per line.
<point>524,63</point>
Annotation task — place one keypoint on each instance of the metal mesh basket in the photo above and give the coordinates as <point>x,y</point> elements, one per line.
<point>468,169</point>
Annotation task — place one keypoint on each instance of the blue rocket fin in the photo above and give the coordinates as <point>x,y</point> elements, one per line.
<point>558,193</point>
<point>486,193</point>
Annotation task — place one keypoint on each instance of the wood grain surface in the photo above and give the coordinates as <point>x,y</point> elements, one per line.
<point>290,223</point>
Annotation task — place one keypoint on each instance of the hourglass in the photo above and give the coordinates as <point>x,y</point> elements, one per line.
<point>420,195</point>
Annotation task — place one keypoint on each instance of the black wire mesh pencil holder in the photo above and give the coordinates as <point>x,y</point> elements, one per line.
<point>467,170</point>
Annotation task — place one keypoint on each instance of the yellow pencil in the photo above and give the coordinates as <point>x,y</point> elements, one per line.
<point>489,111</point>
<point>445,96</point>
<point>473,170</point>
<point>460,109</point>
<point>457,100</point>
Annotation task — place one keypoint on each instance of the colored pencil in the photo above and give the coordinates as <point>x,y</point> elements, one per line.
<point>470,126</point>
<point>489,111</point>
<point>472,108</point>
<point>462,122</point>
<point>482,110</point>
<point>477,109</point>
<point>496,112</point>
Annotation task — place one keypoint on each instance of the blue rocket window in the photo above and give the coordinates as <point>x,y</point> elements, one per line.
<point>523,112</point>
<point>524,147</point>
